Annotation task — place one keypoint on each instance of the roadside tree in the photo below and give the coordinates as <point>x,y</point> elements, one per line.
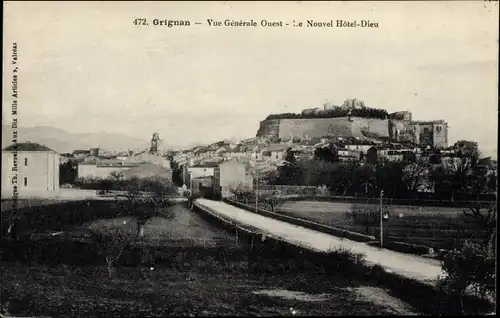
<point>366,215</point>
<point>242,193</point>
<point>111,244</point>
<point>272,201</point>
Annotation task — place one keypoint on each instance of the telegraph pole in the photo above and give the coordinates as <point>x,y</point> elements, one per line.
<point>381,220</point>
<point>191,182</point>
<point>256,192</point>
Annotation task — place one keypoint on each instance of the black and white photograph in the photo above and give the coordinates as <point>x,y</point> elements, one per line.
<point>249,158</point>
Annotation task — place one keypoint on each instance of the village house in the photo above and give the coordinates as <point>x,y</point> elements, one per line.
<point>363,147</point>
<point>276,151</point>
<point>80,154</point>
<point>394,155</point>
<point>233,173</point>
<point>31,167</point>
<point>123,155</point>
<point>181,159</point>
<point>256,153</point>
<point>344,152</point>
<point>98,168</point>
<point>304,154</point>
<point>202,170</point>
<point>148,170</point>
<point>351,156</point>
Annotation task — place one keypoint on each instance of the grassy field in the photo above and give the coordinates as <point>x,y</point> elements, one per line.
<point>22,203</point>
<point>437,227</point>
<point>194,268</point>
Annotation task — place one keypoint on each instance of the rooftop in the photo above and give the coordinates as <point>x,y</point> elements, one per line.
<point>99,162</point>
<point>145,170</point>
<point>206,165</point>
<point>277,147</point>
<point>81,151</point>
<point>27,146</point>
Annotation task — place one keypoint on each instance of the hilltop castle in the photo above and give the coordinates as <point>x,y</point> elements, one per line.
<point>364,122</point>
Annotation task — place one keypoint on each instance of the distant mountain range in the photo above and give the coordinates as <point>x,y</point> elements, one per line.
<point>63,141</point>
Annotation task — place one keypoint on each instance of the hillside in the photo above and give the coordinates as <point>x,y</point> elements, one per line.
<point>63,141</point>
<point>320,127</point>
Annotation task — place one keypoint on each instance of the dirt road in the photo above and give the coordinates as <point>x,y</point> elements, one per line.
<point>415,267</point>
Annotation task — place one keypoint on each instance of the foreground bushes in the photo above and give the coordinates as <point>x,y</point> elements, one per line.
<point>255,254</point>
<point>470,268</point>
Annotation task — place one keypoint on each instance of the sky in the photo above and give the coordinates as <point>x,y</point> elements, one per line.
<point>85,67</point>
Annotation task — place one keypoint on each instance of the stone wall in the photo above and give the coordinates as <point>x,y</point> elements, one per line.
<point>321,127</point>
<point>434,133</point>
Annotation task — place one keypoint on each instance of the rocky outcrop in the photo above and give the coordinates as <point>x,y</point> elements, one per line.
<point>269,128</point>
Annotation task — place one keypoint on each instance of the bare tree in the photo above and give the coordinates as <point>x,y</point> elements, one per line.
<point>146,198</point>
<point>366,215</point>
<point>13,216</point>
<point>158,195</point>
<point>117,176</point>
<point>241,192</point>
<point>413,175</point>
<point>12,228</point>
<point>485,218</point>
<point>272,201</point>
<point>111,244</point>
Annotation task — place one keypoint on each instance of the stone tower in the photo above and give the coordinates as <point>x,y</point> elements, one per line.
<point>353,103</point>
<point>154,143</point>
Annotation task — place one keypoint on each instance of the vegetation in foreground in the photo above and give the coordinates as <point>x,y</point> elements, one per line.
<point>182,265</point>
<point>99,249</point>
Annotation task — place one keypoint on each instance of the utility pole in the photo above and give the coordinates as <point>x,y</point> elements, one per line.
<point>381,220</point>
<point>256,192</point>
<point>191,182</point>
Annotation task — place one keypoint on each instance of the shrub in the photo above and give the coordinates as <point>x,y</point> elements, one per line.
<point>242,193</point>
<point>192,196</point>
<point>346,259</point>
<point>366,215</point>
<point>472,266</point>
<point>347,255</point>
<point>271,201</point>
<point>111,244</point>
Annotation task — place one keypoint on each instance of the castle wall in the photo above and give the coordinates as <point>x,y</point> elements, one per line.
<point>425,133</point>
<point>321,127</point>
<point>316,127</point>
<point>374,125</point>
<point>403,131</point>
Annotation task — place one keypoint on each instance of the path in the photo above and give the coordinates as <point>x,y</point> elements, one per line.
<point>423,269</point>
